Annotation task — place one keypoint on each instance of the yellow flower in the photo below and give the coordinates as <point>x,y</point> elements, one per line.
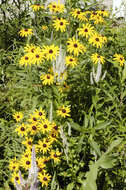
<point>33,128</point>
<point>60,24</point>
<point>51,52</point>
<point>44,27</point>
<point>43,146</point>
<point>97,40</point>
<point>40,162</point>
<point>25,32</point>
<point>63,111</point>
<point>37,7</point>
<point>25,162</point>
<point>33,118</point>
<point>75,13</point>
<point>97,58</point>
<point>103,12</point>
<point>55,128</point>
<point>75,47</point>
<point>31,48</point>
<point>82,17</point>
<point>56,8</point>
<point>26,60</point>
<point>14,165</point>
<point>55,155</point>
<point>15,176</point>
<point>22,129</point>
<point>40,114</point>
<point>86,30</point>
<point>47,79</point>
<point>18,116</point>
<point>45,126</point>
<point>44,178</point>
<point>27,142</point>
<point>97,19</point>
<point>71,61</point>
<point>119,58</point>
<point>37,56</point>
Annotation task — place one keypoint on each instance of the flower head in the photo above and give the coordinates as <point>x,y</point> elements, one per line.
<point>75,47</point>
<point>63,111</point>
<point>25,32</point>
<point>18,116</point>
<point>60,24</point>
<point>51,52</point>
<point>47,79</point>
<point>97,58</point>
<point>86,31</point>
<point>119,58</point>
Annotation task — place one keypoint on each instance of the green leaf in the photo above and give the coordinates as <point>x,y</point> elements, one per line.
<point>70,186</point>
<point>102,125</point>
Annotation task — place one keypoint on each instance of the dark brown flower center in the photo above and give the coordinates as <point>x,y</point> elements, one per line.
<point>75,45</point>
<point>29,142</point>
<point>18,116</point>
<point>78,12</point>
<point>34,119</point>
<point>94,13</point>
<point>26,30</point>
<point>71,60</point>
<point>56,127</point>
<point>34,127</point>
<point>40,113</point>
<point>45,178</point>
<point>45,126</point>
<point>22,129</point>
<point>55,155</point>
<point>14,167</point>
<point>32,50</point>
<point>48,77</point>
<point>61,23</point>
<point>121,58</point>
<point>97,39</point>
<point>44,145</point>
<point>98,56</point>
<point>28,162</point>
<point>63,110</point>
<point>53,135</point>
<point>26,58</point>
<point>16,178</point>
<point>54,6</point>
<point>37,56</point>
<point>86,30</point>
<point>50,51</point>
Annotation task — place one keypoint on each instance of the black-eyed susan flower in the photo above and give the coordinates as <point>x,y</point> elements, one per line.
<point>75,47</point>
<point>44,178</point>
<point>26,60</point>
<point>22,129</point>
<point>86,30</point>
<point>60,24</point>
<point>28,142</point>
<point>71,61</point>
<point>18,116</point>
<point>44,146</point>
<point>55,155</point>
<point>97,19</point>
<point>14,165</point>
<point>37,56</point>
<point>97,40</point>
<point>33,128</point>
<point>26,32</point>
<point>96,58</point>
<point>103,12</point>
<point>15,177</point>
<point>63,111</point>
<point>56,7</point>
<point>51,52</point>
<point>25,162</point>
<point>75,13</point>
<point>55,127</point>
<point>33,118</point>
<point>45,126</point>
<point>40,163</point>
<point>53,136</point>
<point>119,58</point>
<point>47,79</point>
<point>30,48</point>
<point>37,7</point>
<point>39,114</point>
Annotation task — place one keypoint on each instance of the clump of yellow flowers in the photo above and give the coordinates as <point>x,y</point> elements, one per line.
<point>36,130</point>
